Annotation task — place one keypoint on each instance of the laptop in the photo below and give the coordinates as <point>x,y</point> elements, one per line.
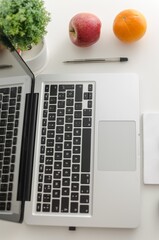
<point>69,147</point>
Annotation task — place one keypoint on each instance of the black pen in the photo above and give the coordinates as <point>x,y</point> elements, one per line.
<point>5,66</point>
<point>98,60</point>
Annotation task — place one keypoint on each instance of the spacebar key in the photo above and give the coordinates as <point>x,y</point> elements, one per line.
<point>86,150</point>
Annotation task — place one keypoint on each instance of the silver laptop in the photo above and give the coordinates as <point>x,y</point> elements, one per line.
<point>69,147</point>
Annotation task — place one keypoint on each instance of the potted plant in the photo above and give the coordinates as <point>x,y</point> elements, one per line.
<point>24,22</point>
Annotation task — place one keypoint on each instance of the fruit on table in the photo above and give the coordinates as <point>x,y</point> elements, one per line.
<point>129,25</point>
<point>84,29</point>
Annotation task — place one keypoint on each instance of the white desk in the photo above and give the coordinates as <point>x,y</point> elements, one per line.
<point>143,59</point>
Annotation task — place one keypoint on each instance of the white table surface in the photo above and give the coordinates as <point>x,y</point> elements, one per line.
<point>143,59</point>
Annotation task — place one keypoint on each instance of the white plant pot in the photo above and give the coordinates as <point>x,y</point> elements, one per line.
<point>36,58</point>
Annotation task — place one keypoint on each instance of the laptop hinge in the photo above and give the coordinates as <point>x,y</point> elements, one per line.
<point>27,149</point>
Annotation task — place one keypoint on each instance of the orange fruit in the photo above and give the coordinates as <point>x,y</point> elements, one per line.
<point>129,25</point>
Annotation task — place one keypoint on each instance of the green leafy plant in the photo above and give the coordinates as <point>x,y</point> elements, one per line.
<point>24,22</point>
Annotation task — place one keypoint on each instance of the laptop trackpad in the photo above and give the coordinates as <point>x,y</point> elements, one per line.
<point>117,146</point>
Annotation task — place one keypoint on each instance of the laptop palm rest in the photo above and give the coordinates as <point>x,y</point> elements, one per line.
<point>117,146</point>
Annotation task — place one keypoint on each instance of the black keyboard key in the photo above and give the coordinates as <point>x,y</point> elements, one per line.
<point>59,138</point>
<point>5,98</point>
<point>52,108</point>
<point>66,172</point>
<point>78,106</point>
<point>44,122</point>
<point>64,87</point>
<point>50,134</point>
<point>84,199</point>
<point>61,95</point>
<point>65,191</point>
<point>56,184</point>
<point>77,132</point>
<point>53,90</point>
<point>74,196</point>
<point>57,174</point>
<point>76,149</point>
<point>9,196</point>
<point>55,205</point>
<point>67,154</point>
<point>69,102</point>
<point>66,163</point>
<point>78,92</point>
<point>67,145</point>
<point>53,100</point>
<point>5,106</point>
<point>8,206</point>
<point>57,165</point>
<point>18,98</point>
<point>48,179</point>
<point>74,207</point>
<point>3,187</point>
<point>38,207</point>
<point>77,123</point>
<point>68,127</point>
<point>87,112</point>
<point>49,151</point>
<point>60,112</point>
<point>2,139</point>
<point>66,182</point>
<point>51,125</point>
<point>5,90</point>
<point>68,136</point>
<point>76,140</point>
<point>78,114</point>
<point>52,117</point>
<point>2,206</point>
<point>40,177</point>
<point>70,94</point>
<point>48,170</point>
<point>50,142</point>
<point>46,198</point>
<point>46,88</point>
<point>75,167</point>
<point>86,150</point>
<point>5,178</point>
<point>56,193</point>
<point>69,119</point>
<point>13,92</point>
<point>61,104</point>
<point>89,104</point>
<point>3,196</point>
<point>39,197</point>
<point>87,122</point>
<point>3,123</point>
<point>58,156</point>
<point>47,188</point>
<point>69,110</point>
<point>90,87</point>
<point>60,121</point>
<point>85,189</point>
<point>84,209</point>
<point>59,129</point>
<point>58,147</point>
<point>65,204</point>
<point>75,177</point>
<point>76,159</point>
<point>49,160</point>
<point>75,187</point>
<point>85,178</point>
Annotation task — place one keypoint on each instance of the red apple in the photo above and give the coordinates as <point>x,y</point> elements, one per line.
<point>84,29</point>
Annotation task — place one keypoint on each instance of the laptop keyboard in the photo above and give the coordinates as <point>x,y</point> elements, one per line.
<point>9,119</point>
<point>65,153</point>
